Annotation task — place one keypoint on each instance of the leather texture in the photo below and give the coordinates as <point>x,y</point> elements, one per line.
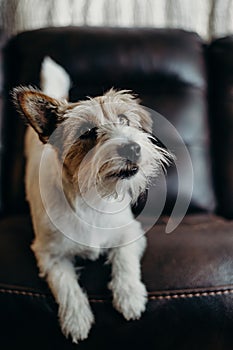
<point>220,58</point>
<point>188,274</point>
<point>166,68</point>
<point>2,42</point>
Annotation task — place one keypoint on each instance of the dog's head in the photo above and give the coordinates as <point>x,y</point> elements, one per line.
<point>105,141</point>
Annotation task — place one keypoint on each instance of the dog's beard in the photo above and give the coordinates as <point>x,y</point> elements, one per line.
<point>128,169</point>
<point>113,176</point>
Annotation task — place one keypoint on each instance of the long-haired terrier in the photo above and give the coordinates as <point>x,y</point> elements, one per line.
<point>87,162</point>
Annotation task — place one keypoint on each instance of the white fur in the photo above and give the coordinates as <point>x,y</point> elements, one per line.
<point>55,252</point>
<point>54,79</point>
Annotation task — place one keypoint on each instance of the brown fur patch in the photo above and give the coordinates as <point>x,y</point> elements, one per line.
<point>42,112</point>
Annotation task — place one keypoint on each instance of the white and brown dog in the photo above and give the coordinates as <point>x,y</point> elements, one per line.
<point>92,159</point>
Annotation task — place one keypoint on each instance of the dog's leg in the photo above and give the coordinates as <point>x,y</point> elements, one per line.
<point>129,293</point>
<point>75,314</point>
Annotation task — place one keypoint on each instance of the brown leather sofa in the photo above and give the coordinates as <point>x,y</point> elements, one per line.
<point>189,273</point>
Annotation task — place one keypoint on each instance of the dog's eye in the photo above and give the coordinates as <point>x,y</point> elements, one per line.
<point>123,119</point>
<point>87,130</point>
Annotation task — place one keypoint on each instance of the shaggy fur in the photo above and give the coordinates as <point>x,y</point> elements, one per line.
<point>91,160</point>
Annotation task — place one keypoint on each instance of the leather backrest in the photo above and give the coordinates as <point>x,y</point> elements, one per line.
<point>166,68</point>
<point>220,60</point>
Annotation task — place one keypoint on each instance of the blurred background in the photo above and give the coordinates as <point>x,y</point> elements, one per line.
<point>209,18</point>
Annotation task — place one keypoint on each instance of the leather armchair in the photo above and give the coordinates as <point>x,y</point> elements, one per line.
<point>189,273</point>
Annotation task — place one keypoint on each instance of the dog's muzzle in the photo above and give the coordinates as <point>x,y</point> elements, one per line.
<point>130,151</point>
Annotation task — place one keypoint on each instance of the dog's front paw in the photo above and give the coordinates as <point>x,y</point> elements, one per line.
<point>130,300</point>
<point>76,321</point>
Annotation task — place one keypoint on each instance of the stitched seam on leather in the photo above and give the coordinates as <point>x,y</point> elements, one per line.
<point>191,295</point>
<point>150,297</point>
<point>22,292</point>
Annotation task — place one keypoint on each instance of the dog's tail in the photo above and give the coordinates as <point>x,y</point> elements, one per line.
<point>54,80</point>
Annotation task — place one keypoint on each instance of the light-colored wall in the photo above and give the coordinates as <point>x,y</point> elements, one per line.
<point>209,18</point>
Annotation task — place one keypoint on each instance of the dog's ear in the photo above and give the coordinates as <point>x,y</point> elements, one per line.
<point>42,112</point>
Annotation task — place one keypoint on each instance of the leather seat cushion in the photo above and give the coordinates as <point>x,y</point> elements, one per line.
<point>188,275</point>
<point>198,254</point>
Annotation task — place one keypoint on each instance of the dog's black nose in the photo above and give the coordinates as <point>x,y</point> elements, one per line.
<point>130,151</point>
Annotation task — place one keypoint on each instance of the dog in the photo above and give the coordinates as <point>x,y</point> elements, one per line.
<point>103,151</point>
